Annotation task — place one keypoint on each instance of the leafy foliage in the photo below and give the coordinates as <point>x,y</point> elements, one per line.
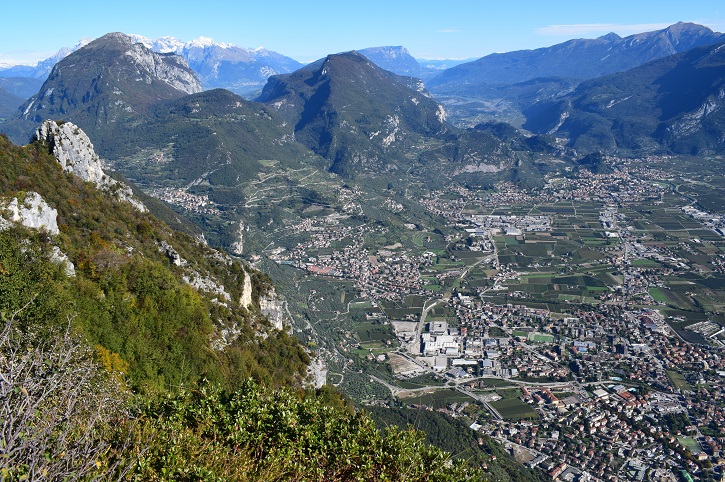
<point>64,418</point>
<point>258,434</point>
<point>454,436</point>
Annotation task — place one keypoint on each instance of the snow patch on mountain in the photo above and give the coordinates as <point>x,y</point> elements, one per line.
<point>241,70</point>
<point>167,45</point>
<point>162,45</point>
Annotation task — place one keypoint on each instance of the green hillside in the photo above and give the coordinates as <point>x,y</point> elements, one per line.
<point>127,297</point>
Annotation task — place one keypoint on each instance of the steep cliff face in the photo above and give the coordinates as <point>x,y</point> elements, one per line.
<point>275,308</point>
<point>168,68</point>
<point>237,247</point>
<point>246,299</point>
<point>73,149</point>
<point>160,300</point>
<point>74,152</point>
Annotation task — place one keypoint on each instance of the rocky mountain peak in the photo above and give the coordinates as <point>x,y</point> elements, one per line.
<point>396,59</point>
<point>610,37</point>
<point>168,68</point>
<point>75,153</point>
<point>73,149</point>
<point>105,82</point>
<point>391,112</point>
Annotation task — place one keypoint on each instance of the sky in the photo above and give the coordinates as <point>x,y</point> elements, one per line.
<point>310,29</point>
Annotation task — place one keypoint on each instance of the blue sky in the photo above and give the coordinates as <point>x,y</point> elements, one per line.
<point>310,29</point>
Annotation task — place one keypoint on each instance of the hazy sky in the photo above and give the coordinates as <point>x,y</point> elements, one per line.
<point>310,29</point>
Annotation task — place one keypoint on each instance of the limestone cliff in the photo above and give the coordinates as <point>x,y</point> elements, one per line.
<point>32,212</point>
<point>75,153</point>
<point>246,298</point>
<point>275,308</point>
<point>171,69</point>
<point>237,247</point>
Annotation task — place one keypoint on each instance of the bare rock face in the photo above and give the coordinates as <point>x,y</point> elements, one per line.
<point>61,258</point>
<point>246,298</point>
<point>172,70</point>
<point>32,212</point>
<point>237,246</point>
<point>274,308</point>
<point>75,153</point>
<point>173,255</point>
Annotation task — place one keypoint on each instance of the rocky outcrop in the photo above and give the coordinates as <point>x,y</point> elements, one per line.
<point>173,255</point>
<point>59,257</point>
<point>246,298</point>
<point>274,308</point>
<point>32,212</point>
<point>75,153</point>
<point>207,284</point>
<point>73,150</point>
<point>237,247</point>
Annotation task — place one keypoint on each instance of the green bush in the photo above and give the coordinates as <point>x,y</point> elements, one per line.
<point>255,433</point>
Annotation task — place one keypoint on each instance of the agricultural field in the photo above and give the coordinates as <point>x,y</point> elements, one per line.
<point>514,409</point>
<point>372,335</point>
<point>438,398</point>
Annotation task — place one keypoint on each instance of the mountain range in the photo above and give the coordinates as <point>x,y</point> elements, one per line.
<point>241,70</point>
<point>498,86</point>
<point>41,70</point>
<point>343,108</point>
<point>578,59</point>
<point>501,85</point>
<point>674,103</point>
<point>347,135</point>
<point>398,60</point>
<point>346,114</point>
<point>219,65</point>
